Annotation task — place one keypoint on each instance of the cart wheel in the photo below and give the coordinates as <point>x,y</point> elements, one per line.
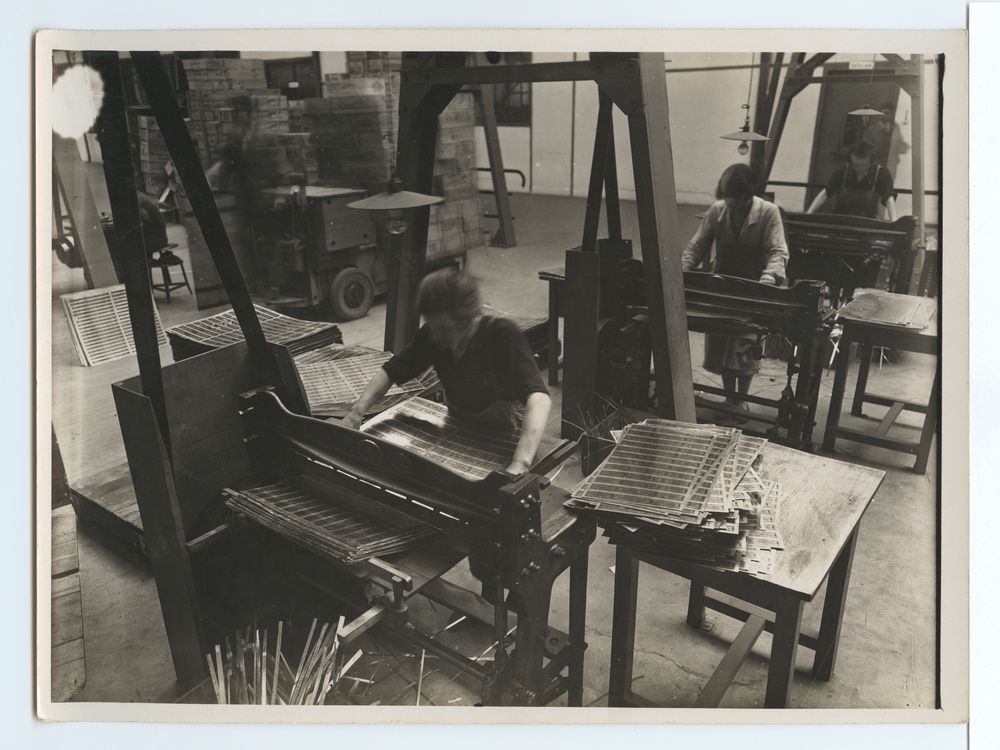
<point>351,294</point>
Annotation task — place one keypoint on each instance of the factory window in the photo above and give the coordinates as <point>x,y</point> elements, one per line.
<point>512,100</point>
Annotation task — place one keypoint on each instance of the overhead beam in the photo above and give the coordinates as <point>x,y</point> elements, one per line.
<point>659,236</point>
<point>580,70</point>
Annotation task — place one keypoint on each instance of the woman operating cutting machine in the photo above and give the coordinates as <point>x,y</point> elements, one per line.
<point>862,187</point>
<point>750,244</point>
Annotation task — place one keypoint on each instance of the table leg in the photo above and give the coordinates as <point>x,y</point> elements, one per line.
<point>858,405</point>
<point>696,605</point>
<point>553,331</point>
<point>577,627</point>
<point>837,395</point>
<point>623,626</point>
<point>787,622</point>
<point>833,611</point>
<point>930,426</point>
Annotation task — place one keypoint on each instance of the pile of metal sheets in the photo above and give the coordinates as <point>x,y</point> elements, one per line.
<point>222,329</point>
<point>688,491</point>
<point>100,325</point>
<point>885,308</point>
<point>471,448</point>
<point>323,524</point>
<point>335,375</point>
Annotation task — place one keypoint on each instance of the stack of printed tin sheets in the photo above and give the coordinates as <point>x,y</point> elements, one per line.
<point>694,492</point>
<point>324,524</point>
<point>471,448</point>
<point>223,329</point>
<point>334,376</point>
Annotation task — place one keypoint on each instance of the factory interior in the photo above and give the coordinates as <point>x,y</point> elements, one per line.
<point>223,533</point>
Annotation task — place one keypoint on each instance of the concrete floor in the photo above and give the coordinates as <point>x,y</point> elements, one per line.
<point>887,653</point>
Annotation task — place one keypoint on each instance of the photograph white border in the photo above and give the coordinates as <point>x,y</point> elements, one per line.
<point>955,331</point>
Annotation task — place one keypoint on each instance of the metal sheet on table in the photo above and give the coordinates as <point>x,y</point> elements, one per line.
<point>471,448</point>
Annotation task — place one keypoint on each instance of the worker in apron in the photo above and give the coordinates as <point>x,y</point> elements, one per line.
<point>862,187</point>
<point>486,368</point>
<point>750,244</point>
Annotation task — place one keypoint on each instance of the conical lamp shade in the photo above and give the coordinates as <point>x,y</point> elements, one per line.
<point>744,135</point>
<point>867,111</point>
<point>393,201</point>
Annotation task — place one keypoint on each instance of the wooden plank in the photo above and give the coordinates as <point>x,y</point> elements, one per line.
<point>580,371</point>
<point>462,600</point>
<point>784,643</point>
<point>741,610</point>
<point>67,614</point>
<point>112,130</point>
<point>65,554</point>
<point>623,627</point>
<point>598,168</point>
<point>889,419</point>
<point>858,436</point>
<point>656,203</point>
<point>68,668</point>
<point>97,264</point>
<point>67,680</point>
<point>871,398</point>
<point>723,676</point>
<point>68,652</point>
<point>164,533</point>
<point>67,586</point>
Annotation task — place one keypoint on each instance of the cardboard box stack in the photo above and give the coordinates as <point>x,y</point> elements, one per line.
<point>361,64</point>
<point>153,157</point>
<point>212,84</point>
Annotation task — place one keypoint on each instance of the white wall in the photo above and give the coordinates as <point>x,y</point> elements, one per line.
<point>703,105</point>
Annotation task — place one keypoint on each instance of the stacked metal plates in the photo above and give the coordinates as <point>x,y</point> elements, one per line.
<point>885,308</point>
<point>335,375</point>
<point>100,325</point>
<point>693,492</point>
<point>324,525</point>
<point>471,448</point>
<point>222,329</point>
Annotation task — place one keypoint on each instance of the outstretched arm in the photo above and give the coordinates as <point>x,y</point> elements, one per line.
<point>818,201</point>
<point>376,389</point>
<point>890,209</point>
<point>536,415</point>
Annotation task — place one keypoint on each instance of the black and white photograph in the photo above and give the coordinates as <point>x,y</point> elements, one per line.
<point>450,379</point>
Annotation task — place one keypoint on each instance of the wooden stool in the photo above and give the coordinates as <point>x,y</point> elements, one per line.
<point>164,262</point>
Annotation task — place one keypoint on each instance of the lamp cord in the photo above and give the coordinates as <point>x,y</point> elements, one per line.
<point>753,57</point>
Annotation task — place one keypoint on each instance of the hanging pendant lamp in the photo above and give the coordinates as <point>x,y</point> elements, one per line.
<point>391,204</point>
<point>744,135</point>
<point>868,110</point>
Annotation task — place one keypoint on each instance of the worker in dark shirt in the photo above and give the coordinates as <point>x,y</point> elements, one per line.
<point>862,187</point>
<point>484,363</point>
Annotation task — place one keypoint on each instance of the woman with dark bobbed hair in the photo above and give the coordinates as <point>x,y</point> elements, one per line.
<point>862,187</point>
<point>484,363</point>
<point>750,243</point>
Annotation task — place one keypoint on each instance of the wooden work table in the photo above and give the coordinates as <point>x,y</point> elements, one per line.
<point>824,501</point>
<point>869,334</point>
